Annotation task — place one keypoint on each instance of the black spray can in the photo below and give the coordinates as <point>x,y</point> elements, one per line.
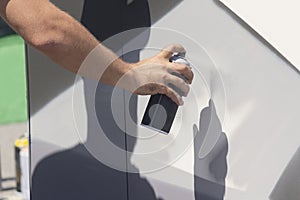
<point>161,110</point>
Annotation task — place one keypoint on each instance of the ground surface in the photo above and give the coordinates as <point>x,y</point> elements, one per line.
<point>8,135</point>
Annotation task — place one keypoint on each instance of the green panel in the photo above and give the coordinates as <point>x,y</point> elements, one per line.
<point>13,107</point>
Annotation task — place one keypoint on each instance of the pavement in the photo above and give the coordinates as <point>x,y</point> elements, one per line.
<point>8,135</point>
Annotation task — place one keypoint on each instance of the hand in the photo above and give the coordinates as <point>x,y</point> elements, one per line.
<point>210,152</point>
<point>156,75</point>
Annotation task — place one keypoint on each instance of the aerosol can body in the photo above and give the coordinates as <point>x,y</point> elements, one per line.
<point>161,110</point>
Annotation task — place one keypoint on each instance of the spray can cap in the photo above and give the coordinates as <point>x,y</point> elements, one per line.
<point>179,58</point>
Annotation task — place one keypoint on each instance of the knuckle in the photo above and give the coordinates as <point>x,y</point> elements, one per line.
<point>185,68</point>
<point>175,48</point>
<point>178,46</point>
<point>182,67</point>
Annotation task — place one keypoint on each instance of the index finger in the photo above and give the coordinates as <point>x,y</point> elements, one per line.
<point>182,69</point>
<point>168,51</point>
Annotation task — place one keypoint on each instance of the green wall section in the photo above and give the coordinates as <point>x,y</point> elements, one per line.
<point>13,104</point>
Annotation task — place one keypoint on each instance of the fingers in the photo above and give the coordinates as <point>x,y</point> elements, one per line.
<point>178,83</point>
<point>182,69</point>
<point>154,88</point>
<point>171,94</point>
<point>195,130</point>
<point>168,51</point>
<point>197,141</point>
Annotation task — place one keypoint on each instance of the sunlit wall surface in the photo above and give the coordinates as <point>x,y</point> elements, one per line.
<point>235,138</point>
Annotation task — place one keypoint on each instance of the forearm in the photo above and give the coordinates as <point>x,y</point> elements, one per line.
<point>68,43</point>
<point>60,37</point>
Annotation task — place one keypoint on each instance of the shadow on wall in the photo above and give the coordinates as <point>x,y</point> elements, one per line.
<point>287,187</point>
<point>74,173</point>
<point>103,19</point>
<point>209,169</point>
<point>160,8</point>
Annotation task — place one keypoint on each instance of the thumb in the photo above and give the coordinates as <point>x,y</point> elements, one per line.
<point>168,51</point>
<point>195,130</point>
<point>197,140</point>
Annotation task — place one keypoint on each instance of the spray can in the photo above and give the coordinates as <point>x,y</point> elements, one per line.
<point>21,144</point>
<point>161,110</point>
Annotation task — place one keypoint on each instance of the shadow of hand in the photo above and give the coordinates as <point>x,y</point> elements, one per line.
<point>210,151</point>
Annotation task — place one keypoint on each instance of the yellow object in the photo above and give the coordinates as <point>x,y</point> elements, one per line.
<point>22,142</point>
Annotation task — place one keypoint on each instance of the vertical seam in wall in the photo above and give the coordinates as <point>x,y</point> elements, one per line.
<point>28,116</point>
<point>124,106</point>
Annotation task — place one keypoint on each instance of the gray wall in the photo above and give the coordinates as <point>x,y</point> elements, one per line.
<point>243,102</point>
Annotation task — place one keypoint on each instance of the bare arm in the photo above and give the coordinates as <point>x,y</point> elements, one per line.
<point>68,43</point>
<point>50,30</point>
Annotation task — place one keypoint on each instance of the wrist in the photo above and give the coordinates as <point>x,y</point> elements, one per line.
<point>116,73</point>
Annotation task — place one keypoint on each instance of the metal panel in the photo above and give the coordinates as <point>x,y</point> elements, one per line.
<point>243,107</point>
<point>260,117</point>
